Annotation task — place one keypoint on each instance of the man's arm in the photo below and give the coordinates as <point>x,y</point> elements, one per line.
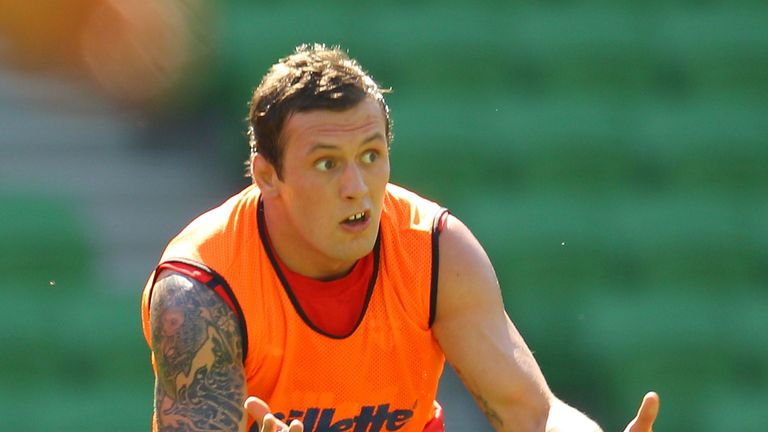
<point>200,382</point>
<point>485,348</point>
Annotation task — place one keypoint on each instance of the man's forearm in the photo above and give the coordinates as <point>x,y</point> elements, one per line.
<point>565,418</point>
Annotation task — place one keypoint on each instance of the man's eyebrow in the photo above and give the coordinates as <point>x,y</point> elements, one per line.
<point>376,136</point>
<point>321,146</point>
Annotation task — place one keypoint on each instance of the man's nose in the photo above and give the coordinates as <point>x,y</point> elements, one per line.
<point>353,185</point>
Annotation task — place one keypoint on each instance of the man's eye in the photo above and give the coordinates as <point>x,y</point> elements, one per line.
<point>370,156</point>
<point>325,164</point>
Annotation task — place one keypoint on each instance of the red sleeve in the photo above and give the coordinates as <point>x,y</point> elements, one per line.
<point>437,424</point>
<point>202,276</point>
<point>442,221</point>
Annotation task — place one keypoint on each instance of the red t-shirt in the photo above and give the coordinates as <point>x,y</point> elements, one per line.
<point>332,306</point>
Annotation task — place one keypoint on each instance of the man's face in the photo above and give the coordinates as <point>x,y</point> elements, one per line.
<point>335,171</point>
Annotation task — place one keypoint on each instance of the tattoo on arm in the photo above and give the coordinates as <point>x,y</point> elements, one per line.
<point>491,414</point>
<point>200,382</point>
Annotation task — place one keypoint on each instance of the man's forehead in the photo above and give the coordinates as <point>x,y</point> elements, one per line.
<point>364,118</point>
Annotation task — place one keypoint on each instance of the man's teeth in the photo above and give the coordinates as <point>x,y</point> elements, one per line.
<point>356,217</point>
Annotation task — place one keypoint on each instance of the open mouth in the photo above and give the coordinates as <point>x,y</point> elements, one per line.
<point>356,219</point>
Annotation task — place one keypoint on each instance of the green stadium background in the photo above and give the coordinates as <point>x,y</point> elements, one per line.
<point>612,157</point>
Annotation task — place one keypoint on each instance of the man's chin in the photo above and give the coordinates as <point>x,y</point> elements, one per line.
<point>359,248</point>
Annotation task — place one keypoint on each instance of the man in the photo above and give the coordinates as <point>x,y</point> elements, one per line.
<point>329,295</point>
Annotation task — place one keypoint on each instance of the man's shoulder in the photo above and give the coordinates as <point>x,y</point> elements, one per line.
<point>216,218</point>
<point>218,226</point>
<point>409,209</point>
<point>401,192</point>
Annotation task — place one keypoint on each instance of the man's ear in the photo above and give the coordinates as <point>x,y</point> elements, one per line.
<point>264,175</point>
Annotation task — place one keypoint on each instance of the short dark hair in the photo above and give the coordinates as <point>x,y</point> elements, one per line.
<point>314,77</point>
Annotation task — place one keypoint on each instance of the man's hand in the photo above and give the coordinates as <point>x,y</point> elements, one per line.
<point>646,415</point>
<point>259,410</point>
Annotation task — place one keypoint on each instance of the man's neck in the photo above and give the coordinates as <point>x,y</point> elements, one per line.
<point>294,251</point>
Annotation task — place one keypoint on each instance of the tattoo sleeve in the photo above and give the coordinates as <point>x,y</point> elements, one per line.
<point>200,382</point>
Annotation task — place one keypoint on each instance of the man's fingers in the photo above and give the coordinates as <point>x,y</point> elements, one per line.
<point>260,411</point>
<point>272,424</point>
<point>256,407</point>
<point>646,415</point>
<point>296,426</point>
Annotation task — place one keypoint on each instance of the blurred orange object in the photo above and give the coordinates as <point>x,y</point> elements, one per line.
<point>43,34</point>
<point>134,50</point>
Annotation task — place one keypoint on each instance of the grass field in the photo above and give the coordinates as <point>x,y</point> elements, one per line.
<point>73,359</point>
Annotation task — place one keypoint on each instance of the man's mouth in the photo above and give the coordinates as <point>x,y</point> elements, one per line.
<point>356,218</point>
